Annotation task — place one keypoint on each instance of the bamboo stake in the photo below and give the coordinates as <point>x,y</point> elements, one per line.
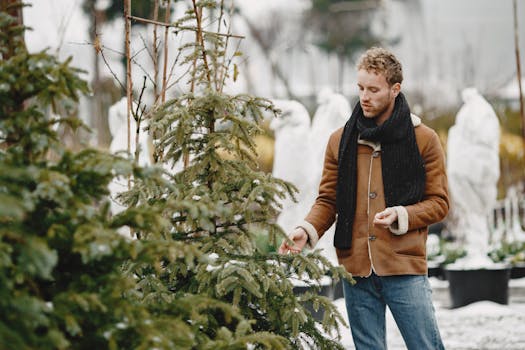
<point>193,73</point>
<point>216,61</point>
<point>166,29</point>
<point>129,83</point>
<point>518,70</point>
<point>186,155</point>
<point>155,52</point>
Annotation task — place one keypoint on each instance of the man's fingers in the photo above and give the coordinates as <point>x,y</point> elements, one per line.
<point>385,218</point>
<point>295,242</point>
<point>283,249</point>
<point>383,214</point>
<point>287,250</point>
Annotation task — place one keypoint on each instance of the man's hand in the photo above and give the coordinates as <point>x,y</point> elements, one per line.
<point>299,237</point>
<point>385,218</point>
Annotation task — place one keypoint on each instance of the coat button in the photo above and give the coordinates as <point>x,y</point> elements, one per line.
<point>372,195</point>
<point>375,154</point>
<point>372,238</point>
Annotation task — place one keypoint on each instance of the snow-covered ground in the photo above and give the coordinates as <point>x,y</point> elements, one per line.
<point>482,325</point>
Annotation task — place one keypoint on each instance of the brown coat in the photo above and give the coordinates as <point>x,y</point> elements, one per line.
<point>373,247</point>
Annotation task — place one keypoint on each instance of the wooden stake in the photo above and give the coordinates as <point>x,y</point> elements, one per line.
<point>518,71</point>
<point>155,51</point>
<point>165,69</point>
<point>129,85</point>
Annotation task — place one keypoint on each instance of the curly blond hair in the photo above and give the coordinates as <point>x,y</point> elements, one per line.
<point>382,61</point>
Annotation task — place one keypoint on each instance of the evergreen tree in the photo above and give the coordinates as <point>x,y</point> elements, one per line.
<point>195,279</point>
<point>63,266</point>
<point>221,202</point>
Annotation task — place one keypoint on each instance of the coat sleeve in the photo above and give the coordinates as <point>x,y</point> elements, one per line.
<point>323,212</point>
<point>435,204</point>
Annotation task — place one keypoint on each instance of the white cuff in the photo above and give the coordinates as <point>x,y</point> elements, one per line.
<point>400,227</point>
<point>313,237</point>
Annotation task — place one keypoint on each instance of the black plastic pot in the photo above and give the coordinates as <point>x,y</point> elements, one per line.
<point>326,290</point>
<point>468,286</point>
<point>338,290</point>
<point>517,271</point>
<point>435,270</point>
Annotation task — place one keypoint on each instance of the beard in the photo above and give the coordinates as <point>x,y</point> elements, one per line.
<point>375,109</point>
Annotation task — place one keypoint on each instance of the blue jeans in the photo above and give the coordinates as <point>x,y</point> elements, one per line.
<point>409,298</point>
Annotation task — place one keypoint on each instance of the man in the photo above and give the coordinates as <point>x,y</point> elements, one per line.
<point>384,181</point>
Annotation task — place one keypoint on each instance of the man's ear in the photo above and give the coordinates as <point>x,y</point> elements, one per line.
<point>396,88</point>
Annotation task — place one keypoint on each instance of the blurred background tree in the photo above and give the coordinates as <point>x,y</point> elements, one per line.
<point>344,28</point>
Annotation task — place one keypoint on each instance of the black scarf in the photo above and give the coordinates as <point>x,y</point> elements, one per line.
<point>402,166</point>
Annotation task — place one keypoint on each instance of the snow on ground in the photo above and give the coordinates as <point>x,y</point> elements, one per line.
<point>482,325</point>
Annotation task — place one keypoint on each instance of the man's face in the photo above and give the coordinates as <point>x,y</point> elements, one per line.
<point>376,96</point>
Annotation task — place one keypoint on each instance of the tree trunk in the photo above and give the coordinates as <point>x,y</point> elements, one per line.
<point>14,9</point>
